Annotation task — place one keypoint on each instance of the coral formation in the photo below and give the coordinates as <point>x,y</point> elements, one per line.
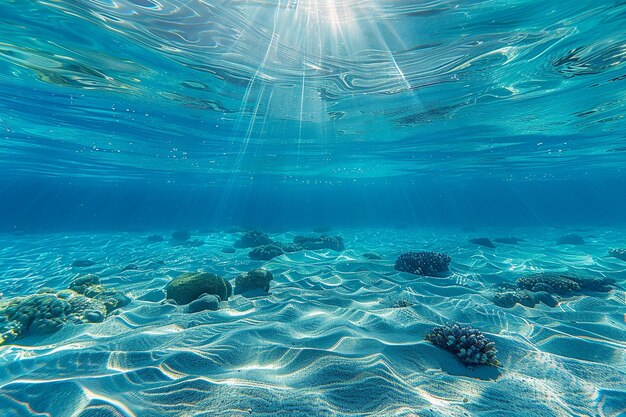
<point>483,241</point>
<point>258,279</point>
<point>90,286</point>
<point>319,242</point>
<point>48,310</point>
<point>570,239</point>
<point>563,284</point>
<point>422,263</point>
<point>543,287</point>
<point>253,239</point>
<point>507,298</point>
<point>468,344</point>
<point>191,285</point>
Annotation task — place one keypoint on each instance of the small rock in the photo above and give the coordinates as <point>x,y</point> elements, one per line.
<point>130,267</point>
<point>154,296</point>
<point>82,263</point>
<point>206,302</point>
<point>181,235</point>
<point>189,286</point>
<point>255,279</point>
<point>508,240</point>
<point>483,241</point>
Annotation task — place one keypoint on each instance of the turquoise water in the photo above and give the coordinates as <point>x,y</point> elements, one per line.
<point>316,89</point>
<point>142,141</point>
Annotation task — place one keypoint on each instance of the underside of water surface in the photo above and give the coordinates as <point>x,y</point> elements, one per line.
<point>312,208</point>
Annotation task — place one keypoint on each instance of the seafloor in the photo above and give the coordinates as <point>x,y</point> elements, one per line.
<point>330,339</point>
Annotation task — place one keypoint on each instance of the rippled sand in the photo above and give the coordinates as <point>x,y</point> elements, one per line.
<point>326,341</point>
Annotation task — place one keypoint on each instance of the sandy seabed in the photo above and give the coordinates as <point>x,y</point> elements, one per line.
<point>327,339</point>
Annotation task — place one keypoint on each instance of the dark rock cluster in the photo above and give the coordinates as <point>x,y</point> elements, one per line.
<point>266,252</point>
<point>423,263</point>
<point>319,242</point>
<point>201,291</point>
<point>264,248</point>
<point>253,239</point>
<point>468,344</point>
<point>47,311</point>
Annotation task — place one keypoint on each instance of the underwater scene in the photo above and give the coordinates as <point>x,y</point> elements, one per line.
<point>312,208</point>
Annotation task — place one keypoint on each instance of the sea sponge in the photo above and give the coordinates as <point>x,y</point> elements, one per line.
<point>189,286</point>
<point>423,263</point>
<point>468,344</point>
<point>258,279</point>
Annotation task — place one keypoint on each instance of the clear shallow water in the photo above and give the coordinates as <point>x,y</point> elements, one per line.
<point>398,125</point>
<point>326,341</point>
<point>312,88</point>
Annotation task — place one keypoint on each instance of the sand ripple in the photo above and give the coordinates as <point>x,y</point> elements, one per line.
<point>326,341</point>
